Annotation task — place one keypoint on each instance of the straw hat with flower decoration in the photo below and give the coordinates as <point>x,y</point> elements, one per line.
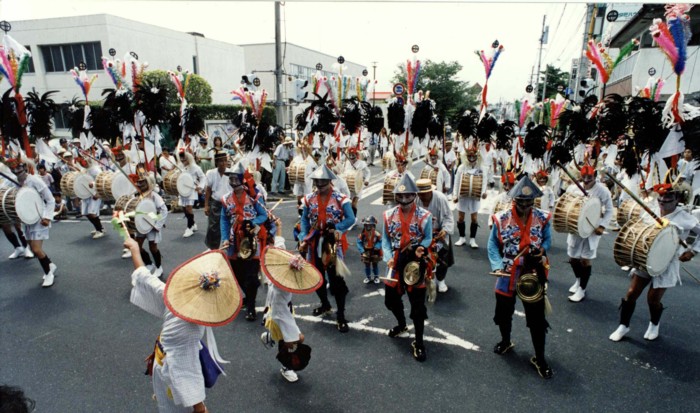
<point>204,291</point>
<point>289,271</point>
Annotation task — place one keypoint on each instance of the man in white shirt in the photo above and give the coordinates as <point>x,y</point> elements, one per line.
<point>283,153</point>
<point>217,187</point>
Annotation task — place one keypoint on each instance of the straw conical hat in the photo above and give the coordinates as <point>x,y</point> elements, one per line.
<point>204,291</point>
<point>289,271</point>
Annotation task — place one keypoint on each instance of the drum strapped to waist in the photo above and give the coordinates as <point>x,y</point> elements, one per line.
<point>646,246</point>
<point>176,182</point>
<point>577,214</point>
<point>390,182</point>
<point>297,171</point>
<point>431,173</point>
<point>371,256</point>
<point>503,205</point>
<point>388,161</point>
<point>21,204</point>
<point>628,211</point>
<point>470,186</point>
<point>77,184</point>
<point>529,288</point>
<point>112,185</point>
<point>354,179</point>
<point>142,209</point>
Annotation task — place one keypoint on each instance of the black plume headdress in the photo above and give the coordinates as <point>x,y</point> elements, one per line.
<point>40,112</point>
<point>192,121</point>
<point>421,118</point>
<point>505,134</point>
<point>643,121</point>
<point>376,120</point>
<point>466,125</point>
<point>76,116</point>
<point>536,141</point>
<point>611,119</point>
<point>103,125</point>
<point>150,98</point>
<point>575,125</point>
<point>118,102</point>
<point>11,128</point>
<point>486,128</point>
<point>351,115</point>
<point>396,116</point>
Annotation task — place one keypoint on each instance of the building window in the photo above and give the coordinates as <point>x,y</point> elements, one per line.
<point>64,57</point>
<point>61,120</point>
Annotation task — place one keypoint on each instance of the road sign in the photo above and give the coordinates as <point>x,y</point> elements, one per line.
<point>319,66</point>
<point>399,89</point>
<point>529,89</point>
<point>651,71</point>
<point>568,91</point>
<point>399,100</point>
<point>612,15</point>
<point>256,82</point>
<point>365,72</point>
<point>415,48</point>
<point>112,52</point>
<point>341,59</point>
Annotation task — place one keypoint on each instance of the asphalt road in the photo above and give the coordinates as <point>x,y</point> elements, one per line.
<point>79,346</point>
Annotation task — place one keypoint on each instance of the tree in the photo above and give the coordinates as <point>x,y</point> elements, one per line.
<point>555,78</point>
<point>198,89</point>
<point>440,78</point>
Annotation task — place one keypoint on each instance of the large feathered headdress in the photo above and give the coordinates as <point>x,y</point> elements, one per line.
<point>422,116</point>
<point>536,141</point>
<point>466,124</point>
<point>11,128</point>
<point>505,134</point>
<point>150,98</point>
<point>40,112</point>
<point>396,116</point>
<point>486,128</point>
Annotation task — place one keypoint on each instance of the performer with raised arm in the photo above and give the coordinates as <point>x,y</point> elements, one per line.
<point>325,218</point>
<point>191,168</point>
<point>517,249</point>
<point>406,237</point>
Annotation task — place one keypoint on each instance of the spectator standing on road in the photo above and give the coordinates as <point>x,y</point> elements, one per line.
<point>217,187</point>
<point>517,247</point>
<point>283,153</point>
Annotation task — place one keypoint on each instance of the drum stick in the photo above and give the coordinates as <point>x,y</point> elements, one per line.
<point>499,274</point>
<point>10,179</point>
<point>276,205</point>
<point>566,171</point>
<point>642,204</point>
<point>691,275</point>
<point>85,153</point>
<point>388,279</point>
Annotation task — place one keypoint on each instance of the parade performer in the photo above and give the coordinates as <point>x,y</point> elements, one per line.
<point>443,175</point>
<point>287,274</point>
<point>517,249</point>
<point>146,185</point>
<point>503,199</point>
<point>90,207</point>
<point>200,294</point>
<point>582,251</point>
<point>369,245</point>
<point>311,161</point>
<point>395,175</point>
<point>406,237</point>
<point>36,234</point>
<point>242,215</point>
<point>669,197</point>
<point>356,167</point>
<point>217,187</point>
<point>548,198</point>
<point>325,218</point>
<point>191,168</point>
<point>469,205</point>
<point>18,241</point>
<point>443,226</point>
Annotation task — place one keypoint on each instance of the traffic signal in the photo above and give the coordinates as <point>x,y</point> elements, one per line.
<point>299,92</point>
<point>587,86</point>
<point>250,81</point>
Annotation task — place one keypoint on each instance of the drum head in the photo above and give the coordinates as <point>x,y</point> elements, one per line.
<point>662,251</point>
<point>29,205</point>
<point>81,186</point>
<point>121,186</point>
<point>144,222</point>
<point>185,185</point>
<point>589,218</point>
<point>358,182</point>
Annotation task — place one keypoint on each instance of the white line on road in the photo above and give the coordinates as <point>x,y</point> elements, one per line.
<point>372,294</point>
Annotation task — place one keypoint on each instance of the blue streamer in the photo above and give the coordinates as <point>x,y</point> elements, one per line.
<point>676,28</point>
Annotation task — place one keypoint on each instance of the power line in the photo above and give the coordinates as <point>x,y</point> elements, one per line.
<point>555,30</point>
<point>570,42</point>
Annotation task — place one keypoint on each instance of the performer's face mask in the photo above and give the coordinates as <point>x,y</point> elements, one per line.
<point>405,199</point>
<point>668,202</point>
<point>471,158</point>
<point>369,227</point>
<point>352,156</point>
<point>20,172</point>
<point>523,206</point>
<point>322,184</point>
<point>588,180</point>
<point>143,185</point>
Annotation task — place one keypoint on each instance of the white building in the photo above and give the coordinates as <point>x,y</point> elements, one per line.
<point>635,70</point>
<point>59,44</point>
<point>298,63</point>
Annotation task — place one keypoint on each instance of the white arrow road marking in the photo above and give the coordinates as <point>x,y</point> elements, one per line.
<point>519,313</point>
<point>372,294</point>
<point>361,325</point>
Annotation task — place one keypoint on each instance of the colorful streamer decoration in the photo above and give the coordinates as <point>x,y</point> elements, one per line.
<point>653,89</point>
<point>555,108</point>
<point>14,63</point>
<point>599,56</point>
<point>489,62</point>
<point>113,70</point>
<point>412,74</point>
<point>672,36</point>
<point>82,80</point>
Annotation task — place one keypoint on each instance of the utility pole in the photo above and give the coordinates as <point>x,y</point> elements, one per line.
<point>591,9</point>
<point>539,58</point>
<point>279,103</point>
<point>374,86</point>
<point>532,73</point>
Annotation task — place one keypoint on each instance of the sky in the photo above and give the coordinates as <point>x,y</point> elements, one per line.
<point>365,32</point>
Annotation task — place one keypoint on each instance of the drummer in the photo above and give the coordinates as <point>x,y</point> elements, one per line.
<point>217,187</point>
<point>469,205</point>
<point>395,175</point>
<point>311,161</point>
<point>507,182</point>
<point>191,168</point>
<point>669,197</point>
<point>146,184</point>
<point>548,198</point>
<point>582,251</point>
<point>18,241</point>
<point>37,233</point>
<point>90,207</point>
<point>352,166</point>
<point>443,178</point>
